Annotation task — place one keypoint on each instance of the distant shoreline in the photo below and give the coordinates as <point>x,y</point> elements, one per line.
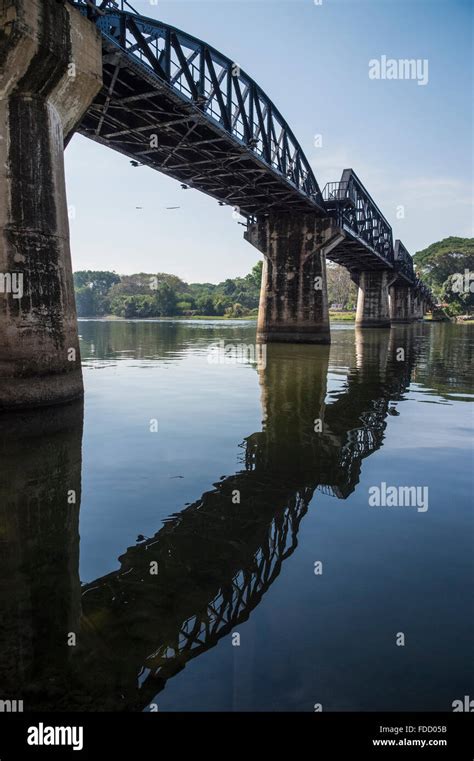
<point>334,317</point>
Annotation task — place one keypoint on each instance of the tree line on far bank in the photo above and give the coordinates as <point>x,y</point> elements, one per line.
<point>162,295</point>
<point>445,266</point>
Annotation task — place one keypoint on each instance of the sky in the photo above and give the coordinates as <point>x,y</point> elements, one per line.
<point>409,143</point>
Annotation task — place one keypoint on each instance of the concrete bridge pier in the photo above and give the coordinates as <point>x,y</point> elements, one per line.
<point>418,306</point>
<point>293,297</point>
<point>423,308</point>
<point>50,71</point>
<point>372,300</point>
<point>402,304</point>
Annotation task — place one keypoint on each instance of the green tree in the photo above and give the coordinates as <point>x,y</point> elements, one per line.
<point>256,274</point>
<point>165,300</point>
<point>229,287</point>
<point>221,304</point>
<point>130,310</point>
<point>341,289</point>
<point>457,293</point>
<point>184,307</point>
<point>447,257</point>
<point>99,281</point>
<point>86,302</point>
<point>205,305</point>
<point>446,266</point>
<point>92,289</point>
<point>236,310</point>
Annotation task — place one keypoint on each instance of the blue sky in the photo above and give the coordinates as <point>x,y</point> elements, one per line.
<point>411,145</point>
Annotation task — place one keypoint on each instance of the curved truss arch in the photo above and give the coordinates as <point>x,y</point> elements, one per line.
<point>266,170</point>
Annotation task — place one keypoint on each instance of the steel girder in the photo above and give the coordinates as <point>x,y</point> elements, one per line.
<point>403,263</point>
<point>404,268</point>
<point>368,235</point>
<point>368,242</point>
<point>173,102</point>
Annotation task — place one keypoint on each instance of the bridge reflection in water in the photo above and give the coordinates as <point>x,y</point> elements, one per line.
<point>215,559</point>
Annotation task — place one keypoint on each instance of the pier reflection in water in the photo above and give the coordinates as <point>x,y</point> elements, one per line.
<point>208,571</point>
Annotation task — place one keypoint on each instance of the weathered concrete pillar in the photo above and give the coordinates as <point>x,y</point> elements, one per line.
<point>50,71</point>
<point>418,310</point>
<point>401,304</point>
<point>293,297</point>
<point>372,300</point>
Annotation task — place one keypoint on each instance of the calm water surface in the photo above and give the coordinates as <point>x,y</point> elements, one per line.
<point>152,549</point>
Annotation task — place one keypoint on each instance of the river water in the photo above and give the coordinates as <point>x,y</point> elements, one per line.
<point>213,531</point>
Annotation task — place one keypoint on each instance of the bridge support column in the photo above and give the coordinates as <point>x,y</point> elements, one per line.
<point>402,304</point>
<point>293,297</point>
<point>51,68</point>
<point>422,308</point>
<point>418,310</point>
<point>372,300</point>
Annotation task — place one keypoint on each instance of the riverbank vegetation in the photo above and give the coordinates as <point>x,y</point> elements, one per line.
<point>448,268</point>
<point>147,295</point>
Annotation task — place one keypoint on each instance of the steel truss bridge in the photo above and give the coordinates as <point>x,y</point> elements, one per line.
<point>176,104</point>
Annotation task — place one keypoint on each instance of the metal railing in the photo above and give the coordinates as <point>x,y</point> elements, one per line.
<point>335,191</point>
<point>358,214</point>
